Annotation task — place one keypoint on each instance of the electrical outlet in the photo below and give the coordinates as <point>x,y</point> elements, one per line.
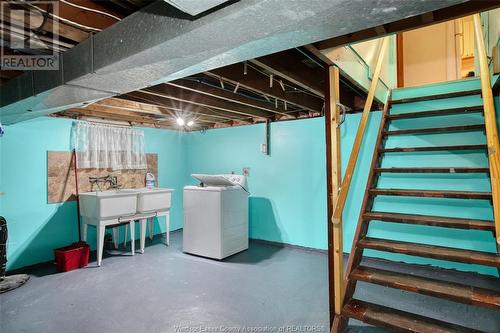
<point>263,148</point>
<point>246,172</point>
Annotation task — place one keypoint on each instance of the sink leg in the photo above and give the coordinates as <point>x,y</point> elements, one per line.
<point>132,236</point>
<point>125,231</point>
<point>167,228</point>
<point>84,231</point>
<point>115,237</point>
<point>100,243</point>
<point>142,224</point>
<point>151,226</point>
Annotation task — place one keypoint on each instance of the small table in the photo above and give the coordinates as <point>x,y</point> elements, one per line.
<point>130,219</point>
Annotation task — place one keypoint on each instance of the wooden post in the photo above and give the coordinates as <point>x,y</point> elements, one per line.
<point>490,123</point>
<point>332,118</point>
<point>400,60</point>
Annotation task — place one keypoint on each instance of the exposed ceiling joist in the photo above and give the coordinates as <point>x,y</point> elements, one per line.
<point>257,82</point>
<point>289,67</point>
<point>182,95</point>
<point>179,106</point>
<point>226,95</point>
<point>126,106</point>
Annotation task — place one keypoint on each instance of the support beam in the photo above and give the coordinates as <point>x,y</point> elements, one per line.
<point>289,66</point>
<point>180,107</point>
<point>130,107</point>
<point>412,22</point>
<point>334,179</point>
<point>223,94</point>
<point>490,122</point>
<point>179,94</point>
<point>256,81</point>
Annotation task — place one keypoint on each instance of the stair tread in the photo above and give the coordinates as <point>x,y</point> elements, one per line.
<point>434,170</point>
<point>432,251</point>
<point>432,287</point>
<point>438,221</point>
<point>434,113</point>
<point>432,148</point>
<point>437,96</point>
<point>432,130</point>
<point>397,320</point>
<point>431,193</point>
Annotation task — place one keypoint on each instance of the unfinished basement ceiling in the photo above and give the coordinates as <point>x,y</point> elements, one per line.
<point>259,90</point>
<point>159,44</point>
<point>76,20</point>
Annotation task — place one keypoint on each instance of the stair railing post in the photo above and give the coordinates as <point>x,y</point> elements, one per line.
<point>336,218</point>
<point>334,173</point>
<point>490,123</point>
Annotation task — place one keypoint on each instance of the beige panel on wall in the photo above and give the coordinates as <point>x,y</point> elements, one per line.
<point>429,55</point>
<point>61,176</point>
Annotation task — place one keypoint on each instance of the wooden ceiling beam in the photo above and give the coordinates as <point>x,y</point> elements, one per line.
<point>181,95</point>
<point>414,22</point>
<point>258,82</point>
<point>133,119</point>
<point>288,65</point>
<point>208,90</point>
<point>179,107</point>
<point>132,107</point>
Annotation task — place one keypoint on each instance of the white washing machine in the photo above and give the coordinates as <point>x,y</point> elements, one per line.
<point>216,216</point>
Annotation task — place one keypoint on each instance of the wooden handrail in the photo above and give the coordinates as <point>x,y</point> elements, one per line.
<point>490,123</point>
<point>339,204</point>
<point>346,183</point>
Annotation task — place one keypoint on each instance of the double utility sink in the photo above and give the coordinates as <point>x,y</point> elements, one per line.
<point>114,207</point>
<point>124,202</point>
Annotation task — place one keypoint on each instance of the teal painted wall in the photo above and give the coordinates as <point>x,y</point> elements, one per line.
<point>35,227</point>
<point>288,192</point>
<point>288,188</point>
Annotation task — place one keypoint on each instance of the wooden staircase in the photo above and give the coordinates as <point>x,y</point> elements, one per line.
<point>395,319</point>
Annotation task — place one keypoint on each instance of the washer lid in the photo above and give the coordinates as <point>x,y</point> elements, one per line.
<point>212,180</point>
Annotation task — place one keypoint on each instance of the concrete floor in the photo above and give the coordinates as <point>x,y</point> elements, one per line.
<point>165,290</point>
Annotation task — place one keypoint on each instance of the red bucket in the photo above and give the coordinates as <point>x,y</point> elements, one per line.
<point>72,257</point>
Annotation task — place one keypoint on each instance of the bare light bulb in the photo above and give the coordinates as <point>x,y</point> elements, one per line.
<point>180,121</point>
<point>190,123</point>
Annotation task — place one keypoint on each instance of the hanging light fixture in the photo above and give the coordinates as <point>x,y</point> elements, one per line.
<point>190,123</point>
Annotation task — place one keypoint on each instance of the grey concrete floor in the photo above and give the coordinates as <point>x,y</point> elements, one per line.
<point>164,290</point>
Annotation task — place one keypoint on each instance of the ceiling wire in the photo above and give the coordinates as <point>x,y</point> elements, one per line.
<point>90,9</point>
<point>74,24</point>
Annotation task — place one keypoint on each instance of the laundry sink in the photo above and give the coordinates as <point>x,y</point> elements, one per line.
<point>154,199</point>
<point>108,204</point>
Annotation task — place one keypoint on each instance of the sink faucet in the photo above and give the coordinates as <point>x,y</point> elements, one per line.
<point>111,180</point>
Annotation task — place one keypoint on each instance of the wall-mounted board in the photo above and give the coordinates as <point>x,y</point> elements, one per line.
<point>61,176</point>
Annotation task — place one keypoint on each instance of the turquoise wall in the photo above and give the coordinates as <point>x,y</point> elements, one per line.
<point>35,227</point>
<point>288,188</point>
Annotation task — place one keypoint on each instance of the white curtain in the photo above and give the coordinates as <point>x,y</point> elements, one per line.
<point>105,146</point>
